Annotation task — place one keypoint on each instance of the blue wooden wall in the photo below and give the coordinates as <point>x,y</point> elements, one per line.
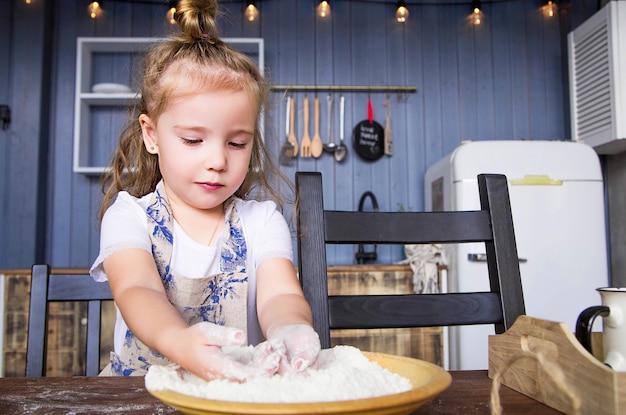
<point>504,79</point>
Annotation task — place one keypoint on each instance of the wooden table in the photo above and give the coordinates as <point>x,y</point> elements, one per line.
<point>468,394</point>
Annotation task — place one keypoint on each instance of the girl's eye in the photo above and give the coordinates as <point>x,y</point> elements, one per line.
<point>237,145</point>
<point>190,141</point>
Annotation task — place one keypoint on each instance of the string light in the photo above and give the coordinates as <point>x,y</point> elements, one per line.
<point>476,12</point>
<point>550,9</point>
<point>402,13</point>
<point>251,11</point>
<point>94,9</point>
<point>323,9</point>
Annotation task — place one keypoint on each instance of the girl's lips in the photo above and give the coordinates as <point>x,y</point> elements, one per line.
<point>211,186</point>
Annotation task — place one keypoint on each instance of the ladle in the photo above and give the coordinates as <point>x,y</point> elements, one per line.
<point>330,146</point>
<point>341,150</point>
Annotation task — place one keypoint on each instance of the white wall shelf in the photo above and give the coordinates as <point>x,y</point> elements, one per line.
<point>99,116</point>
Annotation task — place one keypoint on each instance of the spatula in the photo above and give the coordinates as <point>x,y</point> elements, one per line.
<point>388,130</point>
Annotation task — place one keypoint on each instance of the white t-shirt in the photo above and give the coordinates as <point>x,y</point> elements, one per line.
<point>125,225</point>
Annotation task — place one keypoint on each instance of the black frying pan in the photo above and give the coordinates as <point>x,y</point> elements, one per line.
<point>368,137</point>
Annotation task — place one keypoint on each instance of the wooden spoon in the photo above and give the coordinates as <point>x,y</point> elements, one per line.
<point>317,146</point>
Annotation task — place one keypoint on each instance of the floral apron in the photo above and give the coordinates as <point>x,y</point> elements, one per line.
<point>219,298</point>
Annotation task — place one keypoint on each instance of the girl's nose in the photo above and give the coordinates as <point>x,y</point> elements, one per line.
<point>215,157</point>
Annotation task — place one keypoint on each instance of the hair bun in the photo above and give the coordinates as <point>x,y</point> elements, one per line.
<point>197,19</point>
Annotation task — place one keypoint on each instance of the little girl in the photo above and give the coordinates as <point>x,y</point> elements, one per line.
<point>192,263</point>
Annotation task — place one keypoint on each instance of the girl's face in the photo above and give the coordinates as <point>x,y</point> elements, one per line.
<point>204,143</point>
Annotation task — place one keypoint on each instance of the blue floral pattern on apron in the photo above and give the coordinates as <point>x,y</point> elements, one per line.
<point>219,299</point>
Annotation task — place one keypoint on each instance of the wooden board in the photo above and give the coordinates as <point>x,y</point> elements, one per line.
<point>420,343</point>
<point>584,378</point>
<point>66,333</point>
<point>66,329</point>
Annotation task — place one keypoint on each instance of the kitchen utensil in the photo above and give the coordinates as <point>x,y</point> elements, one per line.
<point>427,380</point>
<point>286,152</point>
<point>368,137</point>
<point>388,131</point>
<point>317,146</point>
<point>292,128</point>
<point>305,144</point>
<point>341,150</point>
<point>330,146</point>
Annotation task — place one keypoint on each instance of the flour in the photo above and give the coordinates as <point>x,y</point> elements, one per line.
<point>343,373</point>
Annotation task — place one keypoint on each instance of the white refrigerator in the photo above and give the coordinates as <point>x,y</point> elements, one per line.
<point>557,201</point>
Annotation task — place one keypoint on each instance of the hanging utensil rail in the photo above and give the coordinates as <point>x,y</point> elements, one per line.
<point>347,88</point>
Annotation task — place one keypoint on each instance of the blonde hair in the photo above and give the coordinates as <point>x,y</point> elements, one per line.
<point>195,59</point>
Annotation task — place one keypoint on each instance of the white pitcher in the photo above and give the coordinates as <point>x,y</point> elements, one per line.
<point>613,311</point>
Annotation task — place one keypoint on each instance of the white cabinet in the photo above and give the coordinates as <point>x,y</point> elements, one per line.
<point>108,73</point>
<point>597,75</point>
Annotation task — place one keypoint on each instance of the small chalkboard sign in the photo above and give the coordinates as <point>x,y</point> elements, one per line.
<point>368,137</point>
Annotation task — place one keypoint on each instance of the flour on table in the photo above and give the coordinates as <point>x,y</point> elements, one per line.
<point>343,373</point>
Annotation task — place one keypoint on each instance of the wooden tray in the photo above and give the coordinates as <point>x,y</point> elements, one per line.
<point>543,360</point>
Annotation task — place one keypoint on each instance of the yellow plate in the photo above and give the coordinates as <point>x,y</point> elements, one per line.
<point>427,379</point>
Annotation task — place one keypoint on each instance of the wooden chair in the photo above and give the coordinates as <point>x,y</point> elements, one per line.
<point>46,288</point>
<point>493,225</point>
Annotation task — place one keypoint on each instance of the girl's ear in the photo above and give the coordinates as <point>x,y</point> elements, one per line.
<point>148,131</point>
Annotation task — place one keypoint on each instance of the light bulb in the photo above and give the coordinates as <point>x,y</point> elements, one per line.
<point>550,9</point>
<point>402,13</point>
<point>170,15</point>
<point>323,9</point>
<point>251,12</point>
<point>476,12</point>
<point>171,11</point>
<point>476,16</point>
<point>94,9</point>
<point>27,1</point>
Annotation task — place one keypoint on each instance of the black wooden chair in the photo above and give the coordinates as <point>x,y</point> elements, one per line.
<point>493,225</point>
<point>47,287</point>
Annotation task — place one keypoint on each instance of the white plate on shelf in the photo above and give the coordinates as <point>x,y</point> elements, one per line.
<point>110,88</point>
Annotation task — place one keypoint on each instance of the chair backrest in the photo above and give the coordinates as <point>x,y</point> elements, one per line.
<point>47,287</point>
<point>493,225</point>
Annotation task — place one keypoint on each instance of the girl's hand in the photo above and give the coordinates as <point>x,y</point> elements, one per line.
<point>299,345</point>
<point>201,352</point>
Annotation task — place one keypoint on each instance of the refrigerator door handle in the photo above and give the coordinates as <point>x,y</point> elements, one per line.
<point>483,258</point>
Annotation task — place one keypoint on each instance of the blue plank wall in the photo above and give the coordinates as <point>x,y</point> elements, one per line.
<point>504,79</point>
